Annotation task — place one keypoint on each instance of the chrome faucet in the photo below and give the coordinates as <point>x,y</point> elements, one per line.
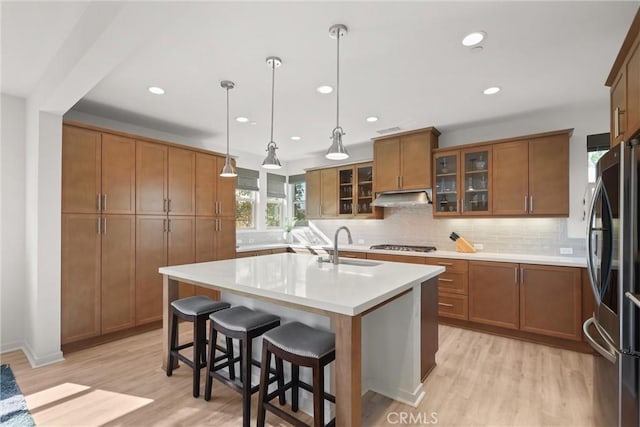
<point>335,243</point>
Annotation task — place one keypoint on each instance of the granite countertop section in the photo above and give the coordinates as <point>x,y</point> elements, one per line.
<point>300,279</point>
<point>563,261</point>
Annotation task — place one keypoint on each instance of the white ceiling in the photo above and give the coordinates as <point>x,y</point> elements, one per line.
<point>403,62</point>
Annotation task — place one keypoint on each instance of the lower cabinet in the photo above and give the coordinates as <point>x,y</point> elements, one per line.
<point>453,288</point>
<point>494,294</point>
<point>215,240</point>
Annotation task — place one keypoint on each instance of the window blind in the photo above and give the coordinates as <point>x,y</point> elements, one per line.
<point>247,179</point>
<point>296,179</point>
<point>275,185</point>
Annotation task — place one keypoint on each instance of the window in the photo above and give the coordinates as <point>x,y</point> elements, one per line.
<point>299,197</point>
<point>275,200</point>
<point>597,145</point>
<point>246,198</point>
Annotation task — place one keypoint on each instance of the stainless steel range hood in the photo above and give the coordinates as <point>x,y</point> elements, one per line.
<point>403,199</point>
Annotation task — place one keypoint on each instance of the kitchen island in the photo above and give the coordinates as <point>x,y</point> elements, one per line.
<point>384,315</point>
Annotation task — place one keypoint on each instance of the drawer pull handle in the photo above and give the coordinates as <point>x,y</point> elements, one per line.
<point>445,280</point>
<point>444,304</point>
<point>444,263</point>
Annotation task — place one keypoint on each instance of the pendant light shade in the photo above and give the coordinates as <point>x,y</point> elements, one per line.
<point>271,161</point>
<point>337,151</point>
<point>228,169</point>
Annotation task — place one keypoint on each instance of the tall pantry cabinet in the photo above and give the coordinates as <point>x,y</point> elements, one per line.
<point>130,206</point>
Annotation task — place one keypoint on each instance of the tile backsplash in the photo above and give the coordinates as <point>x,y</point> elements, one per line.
<point>536,236</point>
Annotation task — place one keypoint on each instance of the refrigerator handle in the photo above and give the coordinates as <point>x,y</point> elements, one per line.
<point>633,298</point>
<point>610,354</point>
<point>590,266</point>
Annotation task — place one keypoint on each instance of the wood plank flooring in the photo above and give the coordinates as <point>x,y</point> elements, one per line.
<point>480,380</point>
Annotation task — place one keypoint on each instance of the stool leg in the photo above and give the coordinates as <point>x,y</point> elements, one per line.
<point>318,395</point>
<point>280,375</point>
<point>197,343</point>
<point>246,384</point>
<point>173,343</point>
<point>203,340</point>
<point>264,388</point>
<point>232,365</point>
<point>213,336</point>
<point>295,377</point>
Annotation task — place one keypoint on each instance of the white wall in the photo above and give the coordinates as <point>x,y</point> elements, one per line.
<point>12,223</point>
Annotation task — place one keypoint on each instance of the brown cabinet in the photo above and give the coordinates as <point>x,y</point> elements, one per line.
<point>494,294</point>
<point>624,80</point>
<point>181,182</point>
<point>453,287</point>
<point>313,196</point>
<point>322,193</point>
<point>403,162</point>
<point>462,182</point>
<point>355,190</point>
<point>551,301</point>
<point>151,178</point>
<point>98,173</point>
<point>524,171</point>
<point>181,246</point>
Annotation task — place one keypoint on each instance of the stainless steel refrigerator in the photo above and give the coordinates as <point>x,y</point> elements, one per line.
<point>613,258</point>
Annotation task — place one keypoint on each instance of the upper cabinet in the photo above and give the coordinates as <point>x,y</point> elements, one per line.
<point>215,195</point>
<point>356,190</point>
<point>322,193</point>
<point>624,80</point>
<point>504,178</point>
<point>403,161</point>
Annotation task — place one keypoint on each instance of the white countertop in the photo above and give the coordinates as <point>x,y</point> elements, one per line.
<point>564,261</point>
<point>262,247</point>
<point>299,279</point>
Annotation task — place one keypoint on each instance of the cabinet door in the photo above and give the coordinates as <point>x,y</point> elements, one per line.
<point>313,188</point>
<point>386,158</point>
<point>551,301</point>
<point>80,291</point>
<point>494,294</point>
<point>182,182</point>
<point>151,254</point>
<point>446,200</point>
<point>632,125</point>
<point>329,193</point>
<point>151,178</point>
<point>206,249</point>
<point>415,169</point>
<point>618,108</point>
<point>226,192</point>
<point>364,189</point>
<point>346,189</point>
<point>510,178</point>
<point>80,170</point>
<point>182,246</point>
<point>206,177</point>
<point>476,181</point>
<point>118,272</point>
<point>226,238</point>
<point>549,175</point>
<point>118,174</point>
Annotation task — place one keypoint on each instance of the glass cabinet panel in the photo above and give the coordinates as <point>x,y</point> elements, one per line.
<point>446,184</point>
<point>475,181</point>
<point>345,179</point>
<point>364,191</point>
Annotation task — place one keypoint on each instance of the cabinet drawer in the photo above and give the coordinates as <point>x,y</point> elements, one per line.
<point>453,305</point>
<point>455,283</point>
<point>451,265</point>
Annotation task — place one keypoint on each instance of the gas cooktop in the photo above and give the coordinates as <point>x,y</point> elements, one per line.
<point>404,248</point>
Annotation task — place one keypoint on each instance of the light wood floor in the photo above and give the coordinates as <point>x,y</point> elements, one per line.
<point>480,380</point>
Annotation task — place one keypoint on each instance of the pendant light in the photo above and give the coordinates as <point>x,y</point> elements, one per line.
<point>337,151</point>
<point>228,170</point>
<point>271,161</point>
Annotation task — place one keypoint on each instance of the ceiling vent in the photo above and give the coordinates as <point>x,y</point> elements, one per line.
<point>389,130</point>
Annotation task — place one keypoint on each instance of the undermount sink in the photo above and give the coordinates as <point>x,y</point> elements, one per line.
<point>351,261</point>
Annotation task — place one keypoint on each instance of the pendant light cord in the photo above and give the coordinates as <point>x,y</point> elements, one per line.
<point>338,80</point>
<point>273,85</point>
<point>227,123</point>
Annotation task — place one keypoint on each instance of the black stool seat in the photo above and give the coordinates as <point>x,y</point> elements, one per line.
<point>243,324</point>
<point>243,319</point>
<point>198,305</point>
<point>196,310</point>
<point>300,345</point>
<point>302,340</point>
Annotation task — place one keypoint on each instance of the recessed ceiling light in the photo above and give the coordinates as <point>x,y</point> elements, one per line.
<point>324,89</point>
<point>156,90</point>
<point>241,119</point>
<point>372,119</point>
<point>474,38</point>
<point>491,90</point>
<point>295,138</point>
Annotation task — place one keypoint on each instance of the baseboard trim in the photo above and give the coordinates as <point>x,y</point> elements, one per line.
<point>38,361</point>
<point>113,336</point>
<point>11,346</point>
<point>411,398</point>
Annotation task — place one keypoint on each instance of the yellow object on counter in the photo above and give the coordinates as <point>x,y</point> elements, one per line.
<point>463,246</point>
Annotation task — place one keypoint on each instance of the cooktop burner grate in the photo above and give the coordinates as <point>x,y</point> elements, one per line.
<point>404,248</point>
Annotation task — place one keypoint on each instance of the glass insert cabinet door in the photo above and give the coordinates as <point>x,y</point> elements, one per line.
<point>446,184</point>
<point>365,189</point>
<point>476,182</point>
<point>345,192</point>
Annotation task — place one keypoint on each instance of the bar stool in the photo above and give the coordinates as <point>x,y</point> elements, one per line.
<point>243,324</point>
<point>300,345</point>
<point>196,310</point>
